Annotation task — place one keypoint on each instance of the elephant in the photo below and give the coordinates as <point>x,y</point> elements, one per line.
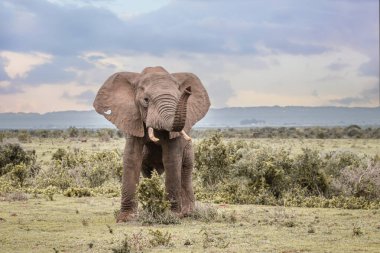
<point>155,110</point>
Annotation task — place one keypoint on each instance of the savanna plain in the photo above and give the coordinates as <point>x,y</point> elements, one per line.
<point>258,194</point>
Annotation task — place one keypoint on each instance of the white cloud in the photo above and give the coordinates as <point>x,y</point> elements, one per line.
<point>44,98</point>
<point>19,64</point>
<point>246,53</point>
<point>254,80</point>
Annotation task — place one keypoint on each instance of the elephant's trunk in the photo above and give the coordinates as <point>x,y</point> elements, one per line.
<point>180,112</point>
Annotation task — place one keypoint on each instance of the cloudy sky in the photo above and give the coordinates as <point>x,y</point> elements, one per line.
<point>55,54</point>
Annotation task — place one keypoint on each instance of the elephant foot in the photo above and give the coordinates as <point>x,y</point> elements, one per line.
<point>187,209</point>
<point>126,216</point>
<point>179,215</point>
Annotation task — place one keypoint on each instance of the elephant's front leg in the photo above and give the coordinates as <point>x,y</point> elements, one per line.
<point>132,162</point>
<point>188,198</point>
<point>172,160</point>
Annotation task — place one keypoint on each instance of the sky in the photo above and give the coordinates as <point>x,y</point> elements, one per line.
<point>55,54</point>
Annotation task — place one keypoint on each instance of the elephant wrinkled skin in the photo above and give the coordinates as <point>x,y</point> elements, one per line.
<point>155,110</point>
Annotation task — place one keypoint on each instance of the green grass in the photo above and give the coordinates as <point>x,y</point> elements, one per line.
<point>46,147</point>
<point>72,224</point>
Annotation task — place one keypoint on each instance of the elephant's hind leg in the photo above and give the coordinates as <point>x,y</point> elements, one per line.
<point>152,160</point>
<point>187,193</point>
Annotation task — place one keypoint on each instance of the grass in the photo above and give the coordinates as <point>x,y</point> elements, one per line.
<point>46,147</point>
<point>84,225</point>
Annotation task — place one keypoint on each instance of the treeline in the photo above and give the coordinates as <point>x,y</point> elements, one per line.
<point>22,135</point>
<point>353,131</point>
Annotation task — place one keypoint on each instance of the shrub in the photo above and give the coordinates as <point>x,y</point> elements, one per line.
<point>152,195</point>
<point>337,161</point>
<point>24,137</point>
<point>78,192</point>
<point>166,218</point>
<point>80,169</point>
<point>14,154</point>
<point>5,186</point>
<point>109,188</point>
<point>16,196</point>
<point>124,247</point>
<point>233,192</point>
<point>213,160</point>
<point>59,154</point>
<point>73,132</point>
<point>50,191</point>
<point>55,175</point>
<point>307,172</point>
<point>363,181</point>
<point>160,238</point>
<point>105,134</point>
<point>111,161</point>
<point>204,212</point>
<point>19,173</point>
<point>265,169</point>
<point>96,175</point>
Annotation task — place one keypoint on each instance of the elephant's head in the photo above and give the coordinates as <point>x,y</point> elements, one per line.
<point>154,99</point>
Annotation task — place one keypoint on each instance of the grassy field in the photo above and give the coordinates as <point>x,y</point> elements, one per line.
<point>88,224</point>
<point>85,225</point>
<point>45,147</point>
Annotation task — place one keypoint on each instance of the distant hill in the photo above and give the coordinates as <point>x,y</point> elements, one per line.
<point>225,117</point>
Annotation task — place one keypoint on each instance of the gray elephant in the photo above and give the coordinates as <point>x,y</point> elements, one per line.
<point>155,110</point>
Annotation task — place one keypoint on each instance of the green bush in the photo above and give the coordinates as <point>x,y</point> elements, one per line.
<point>50,191</point>
<point>24,137</point>
<point>78,192</point>
<point>213,160</point>
<point>56,175</point>
<point>81,169</point>
<point>160,238</point>
<point>5,186</point>
<point>96,175</point>
<point>308,172</point>
<point>111,160</point>
<point>265,169</point>
<point>59,154</point>
<point>336,161</point>
<point>73,132</point>
<point>152,196</point>
<point>14,154</point>
<point>19,173</point>
<point>110,188</point>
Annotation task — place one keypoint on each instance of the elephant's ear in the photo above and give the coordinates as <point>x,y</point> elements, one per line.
<point>198,103</point>
<point>116,102</point>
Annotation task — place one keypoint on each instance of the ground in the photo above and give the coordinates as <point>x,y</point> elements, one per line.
<point>84,225</point>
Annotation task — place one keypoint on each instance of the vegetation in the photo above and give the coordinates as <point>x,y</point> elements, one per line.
<point>68,182</point>
<point>226,171</point>
<point>105,135</point>
<point>275,176</point>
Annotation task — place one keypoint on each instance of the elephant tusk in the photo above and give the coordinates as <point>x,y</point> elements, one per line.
<point>151,135</point>
<point>183,133</point>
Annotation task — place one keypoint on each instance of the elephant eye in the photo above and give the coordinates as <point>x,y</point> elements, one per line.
<point>145,102</point>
